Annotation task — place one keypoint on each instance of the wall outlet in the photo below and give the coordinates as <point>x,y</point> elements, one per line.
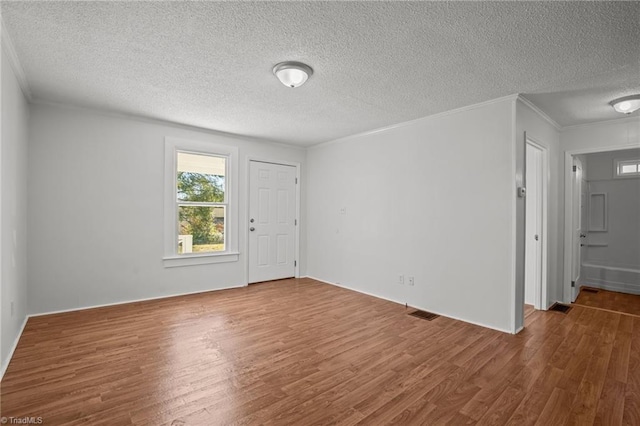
<point>400,279</point>
<point>411,282</point>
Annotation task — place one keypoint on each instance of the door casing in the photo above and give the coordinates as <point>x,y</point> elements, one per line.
<point>541,298</point>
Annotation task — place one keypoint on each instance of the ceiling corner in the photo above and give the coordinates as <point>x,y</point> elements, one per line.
<point>14,61</point>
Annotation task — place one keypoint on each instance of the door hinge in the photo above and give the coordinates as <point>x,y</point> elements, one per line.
<point>295,222</point>
<point>575,168</point>
<point>295,263</point>
<point>573,284</point>
<point>296,181</point>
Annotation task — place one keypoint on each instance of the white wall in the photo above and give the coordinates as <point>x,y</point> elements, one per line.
<point>623,208</point>
<point>433,199</point>
<point>596,137</point>
<point>95,210</point>
<point>13,152</point>
<point>542,132</point>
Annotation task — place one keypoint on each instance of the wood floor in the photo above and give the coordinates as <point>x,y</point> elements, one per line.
<point>303,352</point>
<point>610,300</point>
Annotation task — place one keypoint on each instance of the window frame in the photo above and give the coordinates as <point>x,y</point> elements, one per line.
<point>171,257</point>
<point>618,163</point>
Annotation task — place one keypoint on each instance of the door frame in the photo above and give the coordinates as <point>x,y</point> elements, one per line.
<point>568,209</point>
<point>541,291</point>
<point>296,250</point>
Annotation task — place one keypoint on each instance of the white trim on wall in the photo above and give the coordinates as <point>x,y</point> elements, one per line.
<point>517,182</point>
<point>413,306</point>
<point>601,123</point>
<point>231,253</point>
<point>541,293</point>
<point>540,112</point>
<point>5,363</point>
<point>165,122</point>
<point>416,121</point>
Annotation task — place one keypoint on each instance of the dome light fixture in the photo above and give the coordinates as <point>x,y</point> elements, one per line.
<point>292,74</point>
<point>627,104</point>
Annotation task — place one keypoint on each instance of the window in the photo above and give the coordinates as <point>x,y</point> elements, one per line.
<point>627,168</point>
<point>200,203</point>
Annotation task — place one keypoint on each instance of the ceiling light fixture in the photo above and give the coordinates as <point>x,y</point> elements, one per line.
<point>626,105</point>
<point>292,74</point>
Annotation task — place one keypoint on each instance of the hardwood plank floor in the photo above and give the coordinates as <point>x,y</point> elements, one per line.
<point>304,352</point>
<point>609,300</point>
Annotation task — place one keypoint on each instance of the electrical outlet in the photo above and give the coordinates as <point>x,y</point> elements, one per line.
<point>400,279</point>
<point>411,282</point>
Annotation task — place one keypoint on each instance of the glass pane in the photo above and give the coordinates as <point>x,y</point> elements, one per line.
<point>201,229</point>
<point>201,178</point>
<point>628,168</point>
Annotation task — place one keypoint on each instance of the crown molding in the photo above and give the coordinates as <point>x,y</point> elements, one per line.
<point>540,112</point>
<point>634,118</point>
<point>417,120</point>
<point>162,122</point>
<point>14,61</point>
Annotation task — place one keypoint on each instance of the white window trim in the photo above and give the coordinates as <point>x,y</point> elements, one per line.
<point>620,161</point>
<point>231,253</point>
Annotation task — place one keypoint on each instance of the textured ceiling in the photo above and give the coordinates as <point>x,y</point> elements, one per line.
<point>375,63</point>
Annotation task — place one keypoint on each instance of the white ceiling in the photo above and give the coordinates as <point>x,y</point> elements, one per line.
<point>375,63</point>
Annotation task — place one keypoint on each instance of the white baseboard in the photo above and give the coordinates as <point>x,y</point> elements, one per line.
<point>618,287</point>
<point>13,348</point>
<point>82,308</point>
<point>614,278</point>
<point>415,306</point>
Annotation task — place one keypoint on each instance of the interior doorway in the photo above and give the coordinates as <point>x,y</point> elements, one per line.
<point>536,202</point>
<point>594,255</point>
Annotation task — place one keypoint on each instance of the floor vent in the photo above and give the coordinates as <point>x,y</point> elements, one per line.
<point>424,315</point>
<point>560,308</point>
<point>589,290</point>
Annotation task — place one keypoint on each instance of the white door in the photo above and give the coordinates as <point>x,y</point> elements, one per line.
<point>272,221</point>
<point>533,226</point>
<point>577,209</point>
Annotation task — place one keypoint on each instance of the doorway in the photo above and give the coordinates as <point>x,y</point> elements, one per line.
<point>588,252</point>
<point>272,223</point>
<point>536,180</point>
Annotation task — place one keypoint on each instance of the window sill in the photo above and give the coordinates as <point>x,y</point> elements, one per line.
<point>199,259</point>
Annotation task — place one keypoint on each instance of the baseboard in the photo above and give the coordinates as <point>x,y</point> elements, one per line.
<point>5,365</point>
<point>83,308</point>
<point>617,287</point>
<point>415,306</point>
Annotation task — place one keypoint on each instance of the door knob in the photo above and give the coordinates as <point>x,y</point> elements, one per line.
<point>252,229</point>
<point>251,220</point>
<point>583,236</point>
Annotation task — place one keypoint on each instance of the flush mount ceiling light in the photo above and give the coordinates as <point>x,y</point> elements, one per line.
<point>626,105</point>
<point>292,74</point>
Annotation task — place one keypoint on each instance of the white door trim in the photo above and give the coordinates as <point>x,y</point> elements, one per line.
<point>246,218</point>
<point>568,206</point>
<point>541,300</point>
